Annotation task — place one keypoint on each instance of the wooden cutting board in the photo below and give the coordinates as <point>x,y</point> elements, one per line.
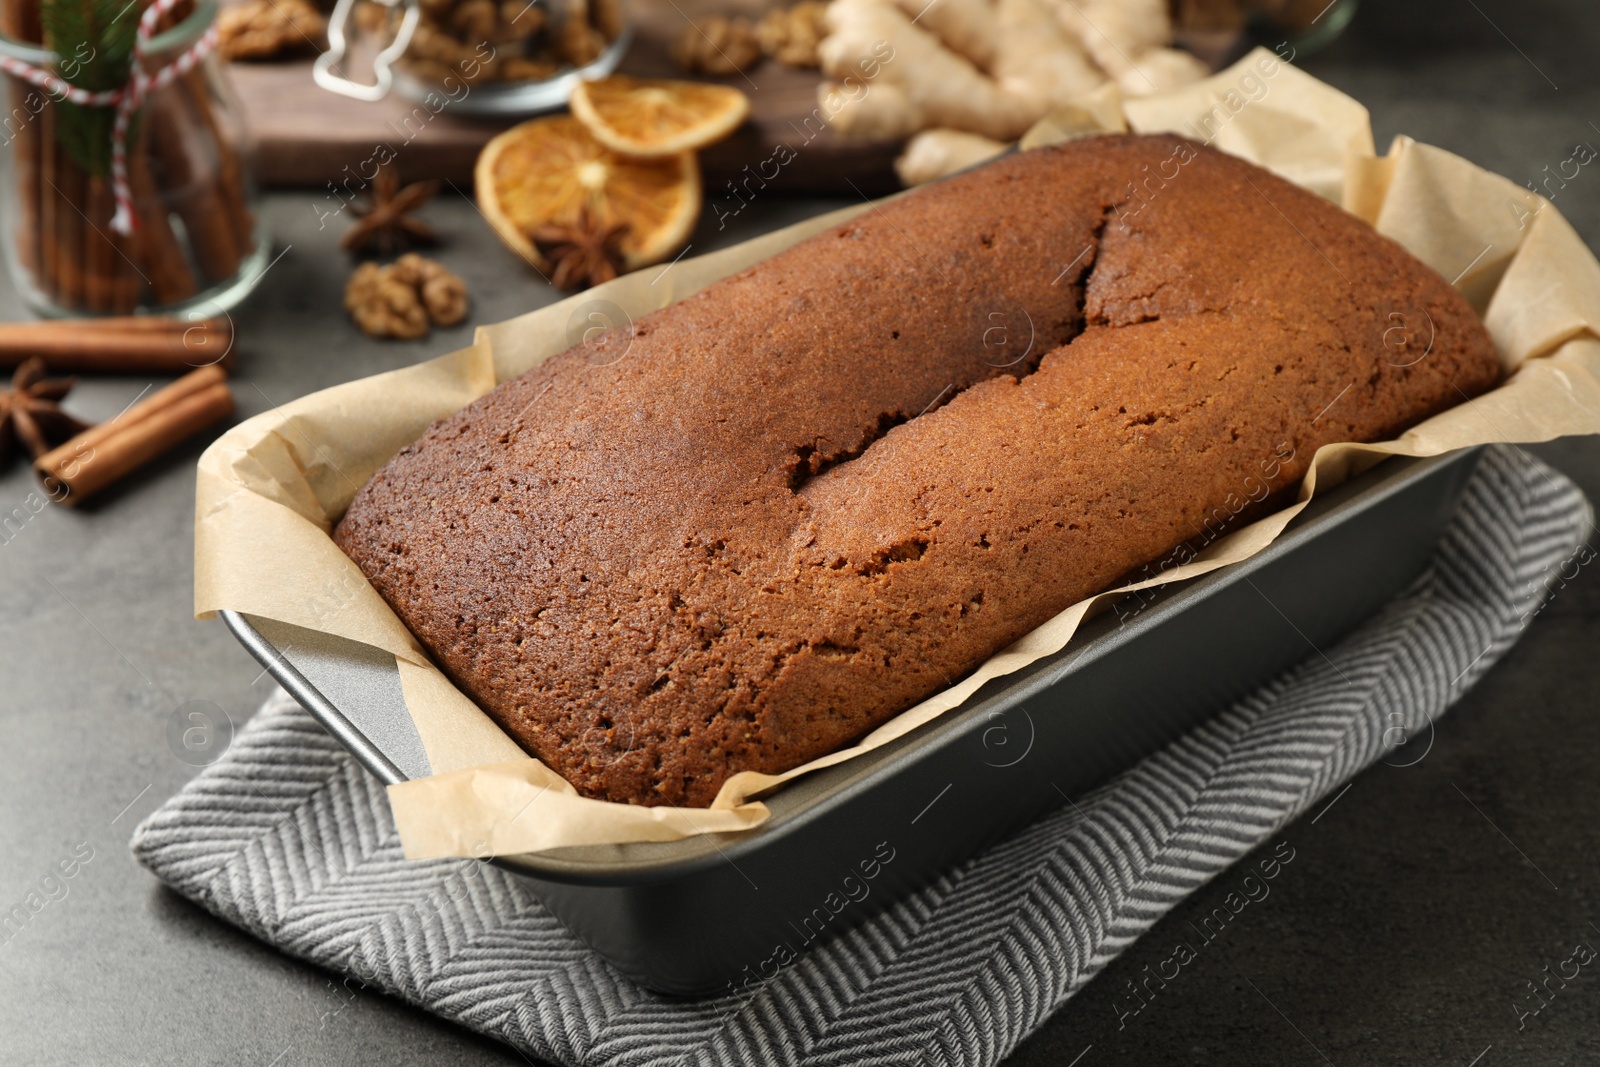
<point>305,136</point>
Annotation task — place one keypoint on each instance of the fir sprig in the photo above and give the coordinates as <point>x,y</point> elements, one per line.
<point>94,42</point>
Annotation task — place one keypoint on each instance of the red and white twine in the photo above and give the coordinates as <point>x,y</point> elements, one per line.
<point>126,99</point>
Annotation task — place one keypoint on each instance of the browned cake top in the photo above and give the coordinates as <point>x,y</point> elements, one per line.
<point>821,489</point>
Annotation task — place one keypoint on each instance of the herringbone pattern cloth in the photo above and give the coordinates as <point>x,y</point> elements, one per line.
<point>289,838</point>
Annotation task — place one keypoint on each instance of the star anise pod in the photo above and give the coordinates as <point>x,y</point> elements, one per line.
<point>30,412</point>
<point>385,224</point>
<point>583,252</point>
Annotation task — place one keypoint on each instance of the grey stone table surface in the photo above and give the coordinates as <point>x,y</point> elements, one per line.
<point>1404,932</point>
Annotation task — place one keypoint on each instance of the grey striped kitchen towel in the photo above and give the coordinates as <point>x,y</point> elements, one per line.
<point>287,837</point>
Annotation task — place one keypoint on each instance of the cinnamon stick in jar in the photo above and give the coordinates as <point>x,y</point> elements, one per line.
<point>164,260</point>
<point>71,188</point>
<point>19,19</point>
<point>127,284</point>
<point>136,344</point>
<point>98,251</point>
<point>230,173</point>
<point>24,146</point>
<point>113,281</point>
<point>49,252</point>
<point>184,156</point>
<point>102,454</point>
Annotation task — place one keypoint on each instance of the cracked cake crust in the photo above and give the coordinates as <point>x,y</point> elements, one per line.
<point>828,486</point>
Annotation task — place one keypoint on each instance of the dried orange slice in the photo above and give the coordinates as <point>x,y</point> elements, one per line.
<point>543,171</point>
<point>651,119</point>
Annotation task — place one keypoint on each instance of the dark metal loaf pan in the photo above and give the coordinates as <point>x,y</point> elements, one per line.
<point>695,916</point>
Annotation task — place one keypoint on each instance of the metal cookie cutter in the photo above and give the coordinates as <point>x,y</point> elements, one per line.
<point>382,64</point>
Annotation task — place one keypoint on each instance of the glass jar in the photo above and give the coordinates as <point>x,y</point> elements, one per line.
<point>486,57</point>
<point>197,244</point>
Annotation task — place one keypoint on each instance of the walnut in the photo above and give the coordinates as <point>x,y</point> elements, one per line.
<point>262,29</point>
<point>718,45</point>
<point>438,56</point>
<point>430,42</point>
<point>518,68</point>
<point>399,300</point>
<point>577,42</point>
<point>383,305</point>
<point>429,70</point>
<point>446,299</point>
<point>518,22</point>
<point>449,39</point>
<point>443,292</point>
<point>606,15</point>
<point>487,71</point>
<point>791,36</point>
<point>474,20</point>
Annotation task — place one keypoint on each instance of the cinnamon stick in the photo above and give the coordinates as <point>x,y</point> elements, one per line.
<point>98,251</point>
<point>230,171</point>
<point>71,186</point>
<point>49,253</point>
<point>127,284</point>
<point>99,456</point>
<point>19,20</point>
<point>161,255</point>
<point>143,344</point>
<point>114,282</point>
<point>24,147</point>
<point>182,159</point>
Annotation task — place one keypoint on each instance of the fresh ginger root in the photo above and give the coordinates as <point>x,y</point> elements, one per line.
<point>1127,39</point>
<point>921,83</point>
<point>1093,113</point>
<point>1160,70</point>
<point>967,27</point>
<point>1036,61</point>
<point>987,67</point>
<point>937,153</point>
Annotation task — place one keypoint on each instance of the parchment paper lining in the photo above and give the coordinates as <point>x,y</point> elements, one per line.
<point>270,489</point>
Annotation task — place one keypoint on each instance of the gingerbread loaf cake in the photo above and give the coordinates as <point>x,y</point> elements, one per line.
<point>824,488</point>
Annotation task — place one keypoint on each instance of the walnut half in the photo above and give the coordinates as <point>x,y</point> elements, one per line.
<point>264,29</point>
<point>401,299</point>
